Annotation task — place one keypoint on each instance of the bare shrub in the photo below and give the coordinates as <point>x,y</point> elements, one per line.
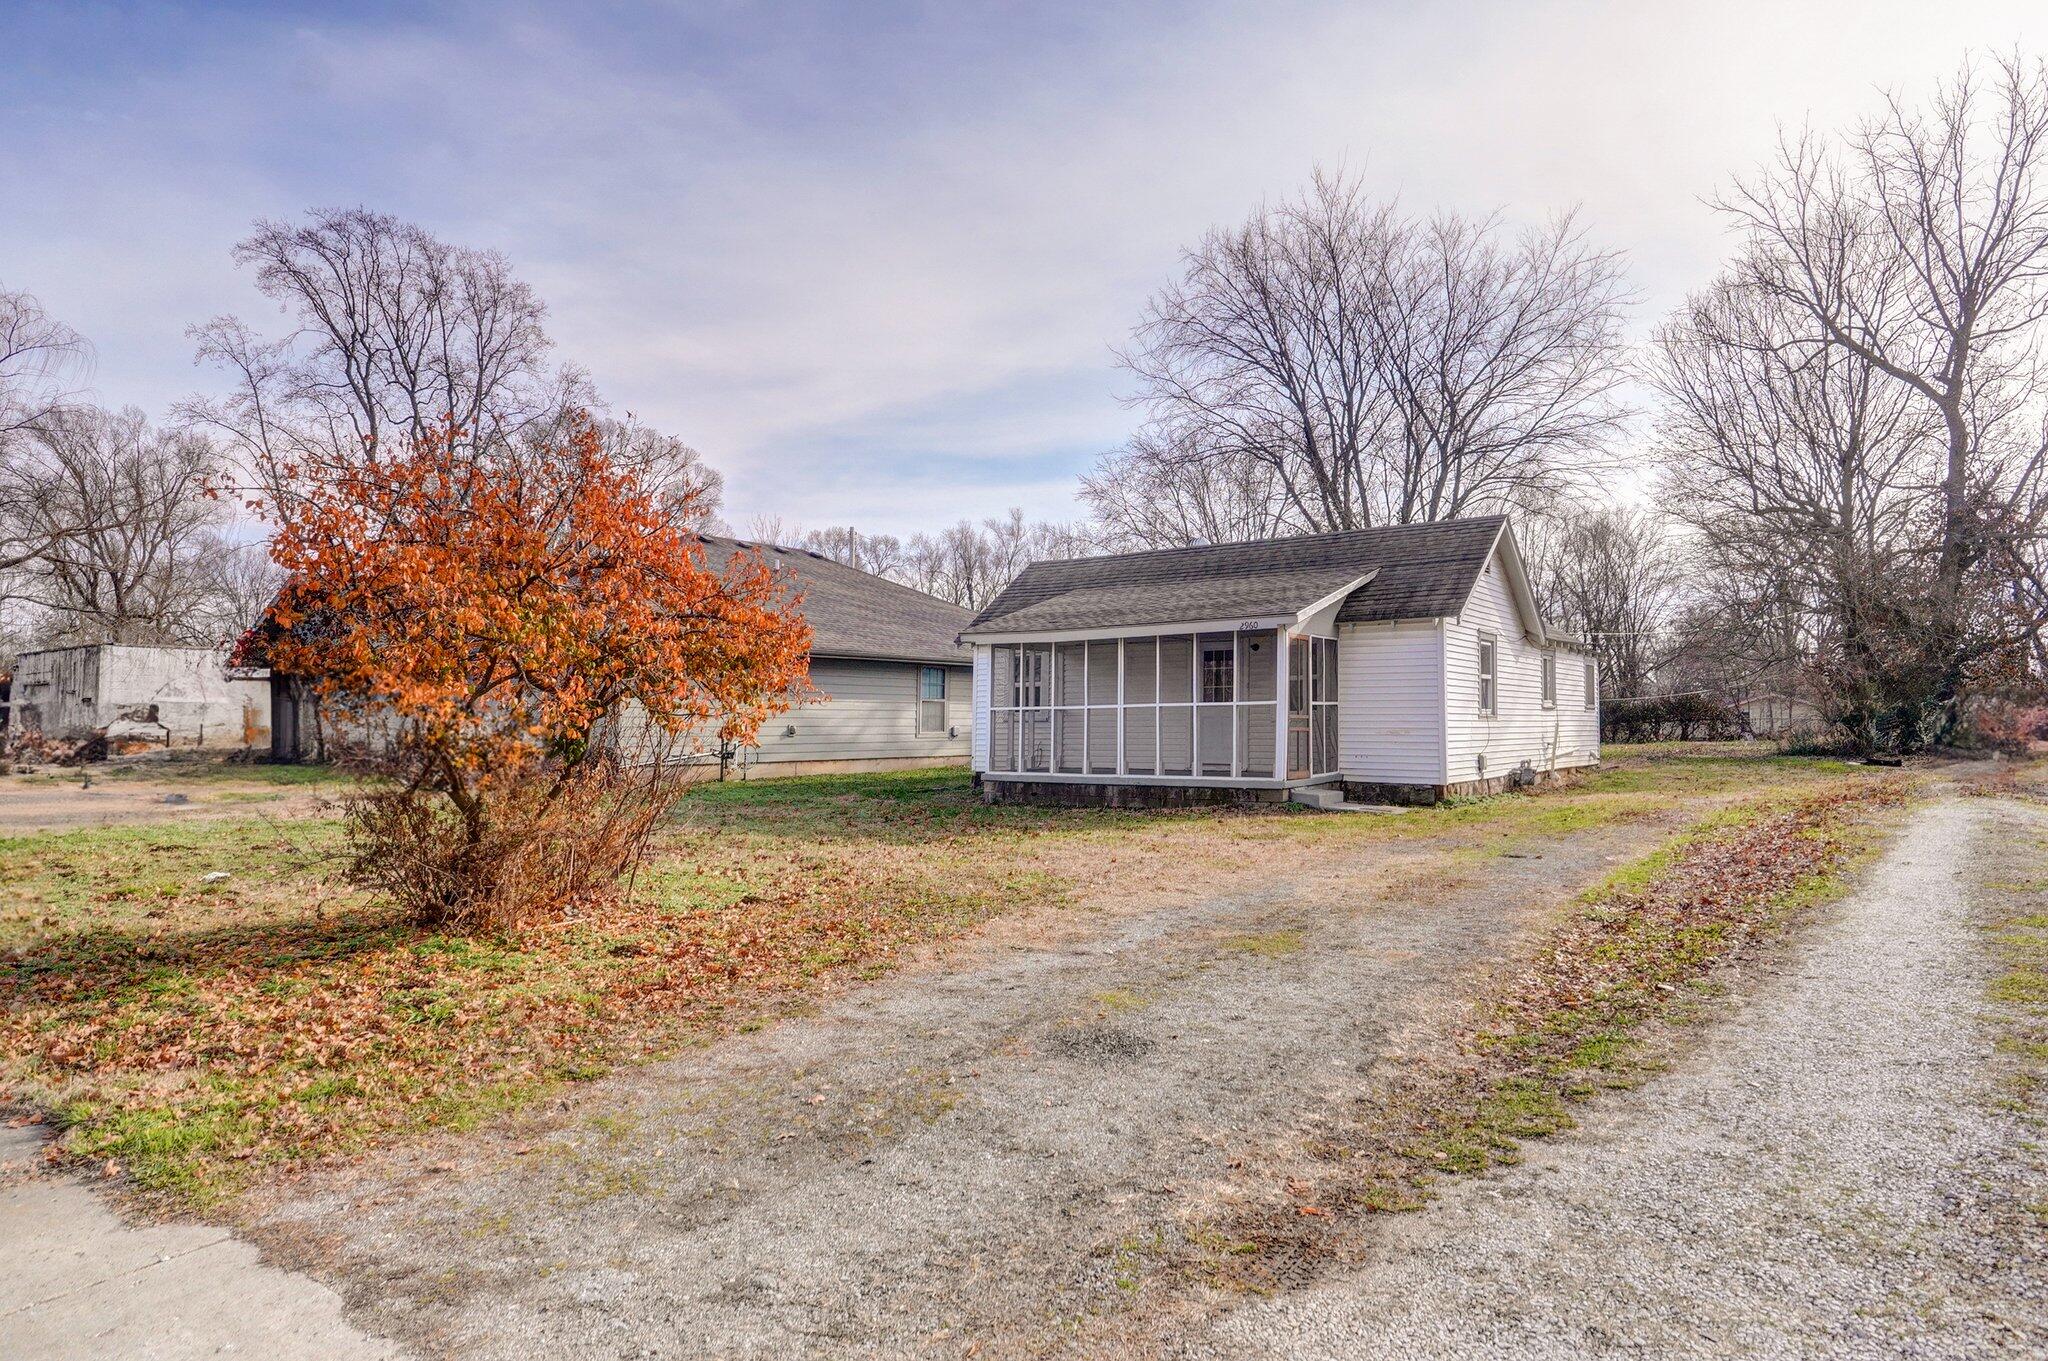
<point>551,844</point>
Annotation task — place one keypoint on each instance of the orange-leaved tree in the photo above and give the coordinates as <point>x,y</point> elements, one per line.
<point>497,619</point>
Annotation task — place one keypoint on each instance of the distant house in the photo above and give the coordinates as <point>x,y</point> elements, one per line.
<point>1402,663</point>
<point>893,677</point>
<point>1776,714</point>
<point>162,696</point>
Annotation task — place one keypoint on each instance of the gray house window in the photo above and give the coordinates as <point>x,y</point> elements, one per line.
<point>1550,680</point>
<point>1489,679</point>
<point>1592,686</point>
<point>931,699</point>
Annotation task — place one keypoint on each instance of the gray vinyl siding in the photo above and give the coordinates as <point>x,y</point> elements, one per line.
<point>868,712</point>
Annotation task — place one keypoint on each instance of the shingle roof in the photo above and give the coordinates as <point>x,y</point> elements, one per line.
<point>855,614</point>
<point>1421,572</point>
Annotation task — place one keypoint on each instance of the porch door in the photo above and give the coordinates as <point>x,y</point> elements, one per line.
<point>1298,745</point>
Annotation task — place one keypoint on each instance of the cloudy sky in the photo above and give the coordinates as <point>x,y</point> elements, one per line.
<point>872,258</point>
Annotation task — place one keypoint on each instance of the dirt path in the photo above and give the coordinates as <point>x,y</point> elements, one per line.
<point>969,1154</point>
<point>29,806</point>
<point>1828,1175</point>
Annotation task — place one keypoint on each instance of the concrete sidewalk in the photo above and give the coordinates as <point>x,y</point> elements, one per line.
<point>76,1282</point>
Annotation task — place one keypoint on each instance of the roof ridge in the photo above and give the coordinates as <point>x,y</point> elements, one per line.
<point>1278,538</point>
<point>891,582</point>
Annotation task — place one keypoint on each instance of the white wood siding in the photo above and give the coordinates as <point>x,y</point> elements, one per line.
<point>1521,729</point>
<point>1390,713</point>
<point>983,662</point>
<point>868,713</point>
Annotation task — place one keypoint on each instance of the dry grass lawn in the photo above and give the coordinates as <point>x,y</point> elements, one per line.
<point>190,1031</point>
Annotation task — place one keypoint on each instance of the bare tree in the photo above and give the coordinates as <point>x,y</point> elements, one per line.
<point>124,514</point>
<point>1612,577</point>
<point>880,554</point>
<point>38,354</point>
<point>1163,490</point>
<point>394,333</point>
<point>669,466</point>
<point>1382,369</point>
<point>236,583</point>
<point>1917,245</point>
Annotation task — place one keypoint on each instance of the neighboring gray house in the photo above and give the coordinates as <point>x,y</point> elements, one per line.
<point>1405,662</point>
<point>168,696</point>
<point>893,677</point>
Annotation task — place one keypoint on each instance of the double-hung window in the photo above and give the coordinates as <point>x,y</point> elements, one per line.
<point>931,700</point>
<point>1592,686</point>
<point>1549,680</point>
<point>1489,676</point>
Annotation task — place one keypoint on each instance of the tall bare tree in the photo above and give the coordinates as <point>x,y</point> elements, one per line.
<point>38,357</point>
<point>1385,369</point>
<point>394,332</point>
<point>1917,246</point>
<point>1164,490</point>
<point>126,521</point>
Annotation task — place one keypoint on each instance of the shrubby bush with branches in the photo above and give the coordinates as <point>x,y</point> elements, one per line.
<point>491,615</point>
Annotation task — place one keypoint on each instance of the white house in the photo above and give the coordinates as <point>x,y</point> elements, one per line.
<point>1402,663</point>
<point>162,696</point>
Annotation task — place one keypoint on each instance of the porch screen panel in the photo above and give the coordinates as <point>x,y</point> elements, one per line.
<point>1102,673</point>
<point>1034,715</point>
<point>1323,720</point>
<point>1213,737</point>
<point>1141,714</point>
<point>1176,739</point>
<point>1102,687</point>
<point>1002,738</point>
<point>1002,677</point>
<point>1255,749</point>
<point>1071,657</point>
<point>1070,733</point>
<point>1069,723</point>
<point>1141,741</point>
<point>1141,671</point>
<point>1176,669</point>
<point>1035,740</point>
<point>1258,668</point>
<point>1102,741</point>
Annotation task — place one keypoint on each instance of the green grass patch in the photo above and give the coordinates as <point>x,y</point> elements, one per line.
<point>1265,944</point>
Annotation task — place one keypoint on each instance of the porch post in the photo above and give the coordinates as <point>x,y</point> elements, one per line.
<point>1282,639</point>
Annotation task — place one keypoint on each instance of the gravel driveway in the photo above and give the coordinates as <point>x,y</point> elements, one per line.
<point>968,1154</point>
<point>1828,1174</point>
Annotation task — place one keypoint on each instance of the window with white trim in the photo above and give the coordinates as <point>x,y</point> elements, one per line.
<point>1489,677</point>
<point>1592,686</point>
<point>1549,679</point>
<point>931,700</point>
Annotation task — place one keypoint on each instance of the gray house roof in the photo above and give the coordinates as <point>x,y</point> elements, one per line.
<point>1415,572</point>
<point>854,613</point>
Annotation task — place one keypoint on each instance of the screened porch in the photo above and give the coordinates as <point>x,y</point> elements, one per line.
<point>1173,706</point>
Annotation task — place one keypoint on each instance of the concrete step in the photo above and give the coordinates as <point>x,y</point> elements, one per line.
<point>1323,796</point>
